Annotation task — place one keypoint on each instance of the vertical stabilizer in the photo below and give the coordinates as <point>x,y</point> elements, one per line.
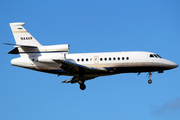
<point>22,36</point>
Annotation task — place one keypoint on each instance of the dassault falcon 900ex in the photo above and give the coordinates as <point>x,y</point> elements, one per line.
<point>56,59</point>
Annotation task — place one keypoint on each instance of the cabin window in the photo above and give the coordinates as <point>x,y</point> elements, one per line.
<point>127,58</point>
<point>86,59</point>
<point>114,58</point>
<point>82,60</point>
<point>109,59</point>
<point>78,60</point>
<point>105,59</point>
<point>101,59</point>
<point>122,58</point>
<point>118,58</point>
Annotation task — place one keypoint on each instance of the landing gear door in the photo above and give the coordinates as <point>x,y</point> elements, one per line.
<point>96,59</point>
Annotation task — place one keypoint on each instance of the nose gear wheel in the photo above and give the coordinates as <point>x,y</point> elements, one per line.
<point>149,76</point>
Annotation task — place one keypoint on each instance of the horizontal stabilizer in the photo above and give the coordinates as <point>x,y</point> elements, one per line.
<point>14,51</point>
<point>20,45</point>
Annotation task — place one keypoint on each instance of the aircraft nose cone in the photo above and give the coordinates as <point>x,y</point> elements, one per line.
<point>169,64</point>
<point>173,65</point>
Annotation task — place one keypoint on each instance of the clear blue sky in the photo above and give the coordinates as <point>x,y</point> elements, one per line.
<point>92,26</point>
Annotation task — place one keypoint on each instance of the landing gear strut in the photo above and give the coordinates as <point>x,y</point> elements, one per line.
<point>149,81</point>
<point>82,85</point>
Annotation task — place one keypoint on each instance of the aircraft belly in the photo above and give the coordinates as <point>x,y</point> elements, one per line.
<point>138,69</point>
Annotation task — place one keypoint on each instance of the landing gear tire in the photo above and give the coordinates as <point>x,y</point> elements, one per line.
<point>82,86</point>
<point>149,81</point>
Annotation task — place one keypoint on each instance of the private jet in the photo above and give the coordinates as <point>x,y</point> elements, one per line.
<point>56,59</point>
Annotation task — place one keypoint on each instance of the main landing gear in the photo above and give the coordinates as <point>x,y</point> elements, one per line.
<point>149,76</point>
<point>82,85</point>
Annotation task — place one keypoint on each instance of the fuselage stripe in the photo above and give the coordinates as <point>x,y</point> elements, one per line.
<point>20,31</point>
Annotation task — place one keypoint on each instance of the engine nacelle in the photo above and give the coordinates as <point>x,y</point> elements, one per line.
<point>63,48</point>
<point>49,58</point>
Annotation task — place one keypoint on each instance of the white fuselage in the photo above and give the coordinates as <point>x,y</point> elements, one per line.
<point>114,62</point>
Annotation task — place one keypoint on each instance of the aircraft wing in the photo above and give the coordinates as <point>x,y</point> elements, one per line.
<point>76,79</point>
<point>73,68</point>
<point>77,67</point>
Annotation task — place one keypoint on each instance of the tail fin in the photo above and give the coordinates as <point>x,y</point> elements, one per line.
<point>23,37</point>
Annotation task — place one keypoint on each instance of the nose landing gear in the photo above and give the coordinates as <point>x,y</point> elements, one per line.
<point>149,76</point>
<point>149,81</point>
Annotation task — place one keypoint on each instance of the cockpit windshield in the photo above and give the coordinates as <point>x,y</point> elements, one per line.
<point>155,55</point>
<point>158,56</point>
